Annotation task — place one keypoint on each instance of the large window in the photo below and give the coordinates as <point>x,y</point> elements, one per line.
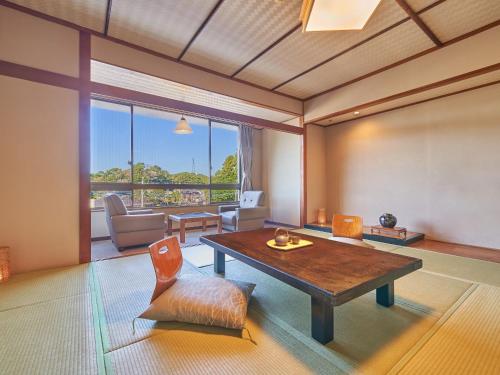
<point>136,154</point>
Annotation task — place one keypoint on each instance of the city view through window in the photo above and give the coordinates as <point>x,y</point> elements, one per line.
<point>136,154</point>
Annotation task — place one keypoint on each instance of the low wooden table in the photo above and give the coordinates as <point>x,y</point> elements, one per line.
<point>331,272</point>
<point>192,217</point>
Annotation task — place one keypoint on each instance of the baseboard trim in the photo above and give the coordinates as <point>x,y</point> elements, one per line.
<point>282,224</point>
<point>100,238</point>
<point>199,227</point>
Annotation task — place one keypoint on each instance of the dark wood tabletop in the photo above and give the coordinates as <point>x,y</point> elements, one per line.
<point>331,272</point>
<point>334,267</point>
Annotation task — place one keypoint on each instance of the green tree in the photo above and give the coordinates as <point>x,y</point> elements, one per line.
<point>227,174</point>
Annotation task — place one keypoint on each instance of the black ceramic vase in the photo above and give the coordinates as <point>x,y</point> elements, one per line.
<point>388,220</point>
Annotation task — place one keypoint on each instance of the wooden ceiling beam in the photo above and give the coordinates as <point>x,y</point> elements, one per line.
<point>414,16</point>
<point>417,90</point>
<point>355,46</point>
<point>405,60</point>
<point>108,17</point>
<point>200,29</point>
<point>75,26</point>
<point>417,102</point>
<point>342,52</point>
<point>113,92</point>
<point>268,48</point>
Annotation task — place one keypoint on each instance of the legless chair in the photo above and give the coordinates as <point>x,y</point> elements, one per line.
<point>167,261</point>
<point>348,229</point>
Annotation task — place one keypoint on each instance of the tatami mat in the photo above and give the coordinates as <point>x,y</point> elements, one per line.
<point>467,343</point>
<point>61,321</point>
<point>465,268</point>
<point>200,255</point>
<point>35,287</point>
<point>202,350</point>
<point>54,337</point>
<point>125,286</point>
<point>368,334</point>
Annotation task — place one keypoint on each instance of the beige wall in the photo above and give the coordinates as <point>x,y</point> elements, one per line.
<point>282,175</point>
<point>38,146</point>
<point>434,165</point>
<point>316,170</point>
<point>39,164</point>
<point>38,43</point>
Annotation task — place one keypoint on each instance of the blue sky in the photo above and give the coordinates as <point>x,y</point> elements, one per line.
<point>155,143</point>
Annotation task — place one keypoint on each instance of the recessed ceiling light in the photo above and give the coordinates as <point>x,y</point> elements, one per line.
<point>320,15</point>
<point>355,113</point>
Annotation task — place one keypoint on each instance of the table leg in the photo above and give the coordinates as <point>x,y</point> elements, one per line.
<point>203,225</point>
<point>169,226</point>
<point>182,231</point>
<point>385,294</point>
<point>219,225</point>
<point>219,261</point>
<point>321,320</point>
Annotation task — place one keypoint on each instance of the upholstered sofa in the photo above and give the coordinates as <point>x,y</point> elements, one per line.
<point>249,214</point>
<point>131,228</point>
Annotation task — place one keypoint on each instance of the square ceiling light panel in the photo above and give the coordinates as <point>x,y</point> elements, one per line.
<point>323,15</point>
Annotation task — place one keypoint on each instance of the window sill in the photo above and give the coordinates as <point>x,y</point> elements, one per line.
<point>171,207</point>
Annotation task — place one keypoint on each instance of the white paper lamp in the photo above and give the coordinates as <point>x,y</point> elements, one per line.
<point>183,127</point>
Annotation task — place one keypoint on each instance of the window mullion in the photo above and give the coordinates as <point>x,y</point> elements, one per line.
<point>132,150</point>
<point>209,161</point>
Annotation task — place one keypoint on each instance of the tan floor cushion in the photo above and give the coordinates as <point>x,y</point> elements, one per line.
<point>203,300</point>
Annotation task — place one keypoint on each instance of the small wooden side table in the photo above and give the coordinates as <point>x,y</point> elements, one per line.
<point>192,217</point>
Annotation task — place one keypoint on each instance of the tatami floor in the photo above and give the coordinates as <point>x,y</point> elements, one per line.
<point>78,320</point>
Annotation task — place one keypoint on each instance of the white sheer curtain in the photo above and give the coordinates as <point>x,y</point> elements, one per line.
<point>246,149</point>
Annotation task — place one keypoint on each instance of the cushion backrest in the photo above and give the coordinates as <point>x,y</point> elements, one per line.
<point>251,199</point>
<point>113,205</point>
<point>347,226</point>
<point>166,256</point>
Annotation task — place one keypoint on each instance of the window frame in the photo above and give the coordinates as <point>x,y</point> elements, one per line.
<point>131,186</point>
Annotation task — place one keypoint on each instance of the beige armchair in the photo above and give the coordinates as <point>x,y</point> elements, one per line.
<point>130,228</point>
<point>249,214</point>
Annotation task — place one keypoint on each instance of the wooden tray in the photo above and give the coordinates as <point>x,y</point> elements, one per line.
<point>290,246</point>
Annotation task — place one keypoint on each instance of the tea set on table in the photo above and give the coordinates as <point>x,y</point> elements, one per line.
<point>283,240</point>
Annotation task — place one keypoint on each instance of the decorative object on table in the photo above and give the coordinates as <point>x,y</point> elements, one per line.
<point>388,220</point>
<point>206,300</point>
<point>396,236</point>
<point>289,245</point>
<point>281,237</point>
<point>284,241</point>
<point>393,232</point>
<point>4,264</point>
<point>322,216</point>
<point>369,234</point>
